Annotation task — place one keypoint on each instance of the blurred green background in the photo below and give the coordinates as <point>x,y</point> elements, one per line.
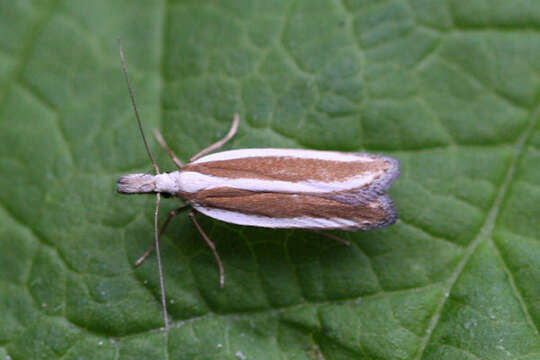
<point>451,88</point>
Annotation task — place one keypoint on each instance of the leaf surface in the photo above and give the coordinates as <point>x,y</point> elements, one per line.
<point>451,88</point>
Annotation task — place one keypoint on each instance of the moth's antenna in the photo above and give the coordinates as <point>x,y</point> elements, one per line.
<point>132,97</point>
<point>158,195</point>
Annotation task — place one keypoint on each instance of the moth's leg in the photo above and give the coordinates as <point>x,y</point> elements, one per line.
<point>330,236</point>
<point>162,231</point>
<point>221,142</point>
<point>163,144</point>
<point>212,247</point>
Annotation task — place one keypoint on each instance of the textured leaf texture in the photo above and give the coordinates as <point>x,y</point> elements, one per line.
<point>451,88</point>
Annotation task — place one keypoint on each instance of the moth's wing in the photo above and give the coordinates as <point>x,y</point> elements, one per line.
<point>291,171</point>
<point>282,210</point>
<point>290,188</point>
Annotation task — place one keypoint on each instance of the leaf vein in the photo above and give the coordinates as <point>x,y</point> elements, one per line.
<point>486,230</point>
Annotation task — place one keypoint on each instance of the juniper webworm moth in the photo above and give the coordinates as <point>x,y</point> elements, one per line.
<point>271,188</point>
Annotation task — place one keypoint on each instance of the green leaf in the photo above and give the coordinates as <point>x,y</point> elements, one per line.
<point>451,88</point>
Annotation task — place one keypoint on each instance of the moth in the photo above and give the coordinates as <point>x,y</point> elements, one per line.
<point>271,188</point>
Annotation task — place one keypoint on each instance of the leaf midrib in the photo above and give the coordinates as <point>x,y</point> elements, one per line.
<point>486,234</point>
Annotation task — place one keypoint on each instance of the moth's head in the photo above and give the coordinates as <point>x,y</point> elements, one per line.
<point>164,183</point>
<point>136,184</point>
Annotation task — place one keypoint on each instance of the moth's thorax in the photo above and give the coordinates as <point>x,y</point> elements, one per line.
<point>147,183</point>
